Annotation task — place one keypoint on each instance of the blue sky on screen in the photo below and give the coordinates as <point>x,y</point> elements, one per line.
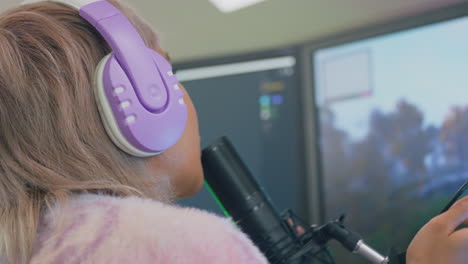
<point>426,66</point>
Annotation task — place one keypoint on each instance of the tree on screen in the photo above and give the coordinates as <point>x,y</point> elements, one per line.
<point>454,137</point>
<point>402,137</point>
<point>389,162</point>
<point>334,142</point>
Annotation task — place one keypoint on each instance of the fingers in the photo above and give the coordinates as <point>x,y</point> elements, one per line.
<point>460,237</point>
<point>453,218</point>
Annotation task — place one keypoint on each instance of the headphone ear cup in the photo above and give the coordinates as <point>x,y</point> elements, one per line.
<point>105,111</point>
<point>133,128</point>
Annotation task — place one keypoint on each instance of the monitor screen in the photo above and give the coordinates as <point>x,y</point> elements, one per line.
<point>255,104</point>
<point>393,128</point>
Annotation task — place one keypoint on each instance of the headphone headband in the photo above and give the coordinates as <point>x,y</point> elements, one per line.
<point>128,47</point>
<point>130,51</point>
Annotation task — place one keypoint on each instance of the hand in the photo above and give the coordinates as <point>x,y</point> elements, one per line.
<point>438,242</point>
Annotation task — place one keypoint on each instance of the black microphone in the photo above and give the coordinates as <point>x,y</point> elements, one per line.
<point>239,194</point>
<point>246,202</point>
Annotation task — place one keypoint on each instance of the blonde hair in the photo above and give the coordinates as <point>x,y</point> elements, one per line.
<point>52,142</point>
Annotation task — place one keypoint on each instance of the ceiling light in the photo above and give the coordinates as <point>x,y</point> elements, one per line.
<point>227,6</point>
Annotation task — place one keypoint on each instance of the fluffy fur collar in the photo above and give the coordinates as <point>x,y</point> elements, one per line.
<point>104,229</point>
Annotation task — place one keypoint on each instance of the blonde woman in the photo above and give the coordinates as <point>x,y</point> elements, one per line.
<point>68,194</point>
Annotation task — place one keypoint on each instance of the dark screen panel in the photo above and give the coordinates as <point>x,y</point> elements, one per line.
<point>258,110</point>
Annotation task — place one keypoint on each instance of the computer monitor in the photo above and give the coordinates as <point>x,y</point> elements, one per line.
<point>392,120</point>
<point>253,100</point>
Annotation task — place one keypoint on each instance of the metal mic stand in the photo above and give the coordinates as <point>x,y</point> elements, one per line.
<point>318,236</point>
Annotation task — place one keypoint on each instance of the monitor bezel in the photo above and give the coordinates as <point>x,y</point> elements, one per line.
<point>314,171</point>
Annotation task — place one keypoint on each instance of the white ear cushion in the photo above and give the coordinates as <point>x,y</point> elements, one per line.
<point>108,118</point>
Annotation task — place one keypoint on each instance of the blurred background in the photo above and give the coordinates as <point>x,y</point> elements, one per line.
<point>356,107</point>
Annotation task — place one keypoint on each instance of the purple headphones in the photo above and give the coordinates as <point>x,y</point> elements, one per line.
<point>138,96</point>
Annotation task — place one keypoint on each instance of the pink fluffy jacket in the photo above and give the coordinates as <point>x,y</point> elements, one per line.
<point>103,229</point>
